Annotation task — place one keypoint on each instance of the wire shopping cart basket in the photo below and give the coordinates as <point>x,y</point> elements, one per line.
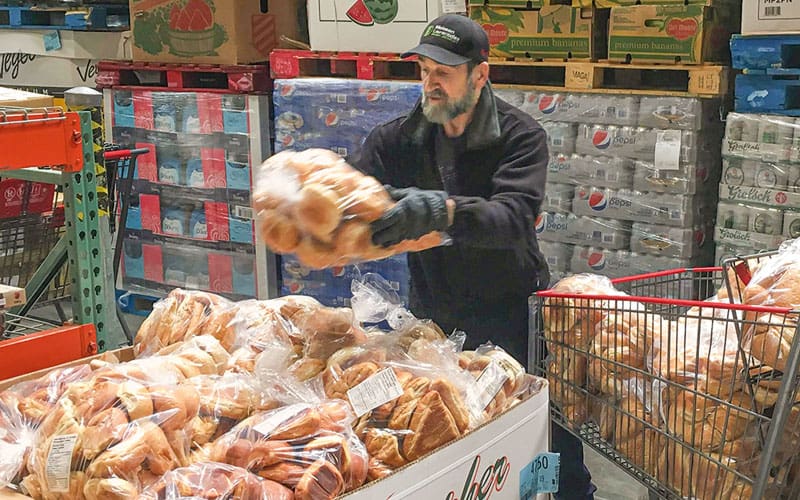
<point>120,168</point>
<point>661,381</point>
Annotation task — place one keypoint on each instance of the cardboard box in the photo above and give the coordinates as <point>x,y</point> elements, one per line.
<point>11,296</point>
<point>21,99</point>
<point>69,44</point>
<point>517,4</point>
<point>552,32</point>
<point>365,25</point>
<point>689,34</point>
<point>769,17</point>
<point>605,4</point>
<point>30,70</point>
<point>210,31</point>
<point>490,458</point>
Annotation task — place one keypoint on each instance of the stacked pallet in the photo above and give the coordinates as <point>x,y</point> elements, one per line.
<point>760,190</point>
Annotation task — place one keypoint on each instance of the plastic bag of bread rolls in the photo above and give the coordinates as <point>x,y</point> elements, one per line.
<point>23,406</point>
<point>422,407</point>
<point>702,351</point>
<point>211,481</point>
<point>502,380</point>
<point>183,314</point>
<point>307,447</point>
<point>316,206</point>
<point>226,400</point>
<point>114,432</point>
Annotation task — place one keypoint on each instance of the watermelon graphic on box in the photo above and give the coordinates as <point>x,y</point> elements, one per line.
<point>191,29</point>
<point>369,12</point>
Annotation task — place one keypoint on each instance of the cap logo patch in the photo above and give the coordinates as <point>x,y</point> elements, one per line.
<point>443,32</point>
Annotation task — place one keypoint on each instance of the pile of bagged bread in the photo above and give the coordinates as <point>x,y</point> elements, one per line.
<point>253,400</point>
<point>670,390</point>
<point>314,205</point>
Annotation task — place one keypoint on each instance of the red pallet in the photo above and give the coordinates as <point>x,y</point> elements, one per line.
<point>286,63</point>
<point>184,77</point>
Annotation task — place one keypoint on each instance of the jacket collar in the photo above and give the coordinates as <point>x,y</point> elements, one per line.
<point>482,131</point>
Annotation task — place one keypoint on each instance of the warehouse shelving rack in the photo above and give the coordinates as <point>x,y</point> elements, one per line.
<point>53,146</point>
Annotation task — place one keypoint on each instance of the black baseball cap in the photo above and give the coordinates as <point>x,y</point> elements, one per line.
<point>452,40</point>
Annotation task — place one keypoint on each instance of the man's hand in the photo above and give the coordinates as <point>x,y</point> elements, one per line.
<point>417,213</point>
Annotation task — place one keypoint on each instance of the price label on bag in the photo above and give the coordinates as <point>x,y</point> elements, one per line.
<point>59,462</point>
<point>540,476</point>
<point>278,417</point>
<point>376,390</point>
<point>489,382</point>
<point>668,150</point>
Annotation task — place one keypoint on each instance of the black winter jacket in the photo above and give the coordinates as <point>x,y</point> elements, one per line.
<point>494,261</point>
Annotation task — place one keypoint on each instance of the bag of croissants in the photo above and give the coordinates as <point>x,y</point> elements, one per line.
<point>314,205</point>
<point>256,399</point>
<point>670,391</point>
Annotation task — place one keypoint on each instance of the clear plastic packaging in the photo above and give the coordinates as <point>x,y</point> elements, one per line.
<point>183,314</point>
<point>306,447</point>
<point>212,480</point>
<point>115,432</point>
<point>314,205</point>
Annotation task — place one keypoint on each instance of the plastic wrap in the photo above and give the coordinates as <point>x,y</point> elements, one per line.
<point>312,204</point>
<point>701,351</point>
<point>212,480</point>
<point>405,408</point>
<point>114,432</point>
<point>760,185</point>
<point>308,448</point>
<point>23,406</point>
<point>501,380</point>
<point>182,315</point>
<point>190,195</point>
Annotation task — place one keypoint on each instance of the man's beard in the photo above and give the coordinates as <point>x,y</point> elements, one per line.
<point>447,110</point>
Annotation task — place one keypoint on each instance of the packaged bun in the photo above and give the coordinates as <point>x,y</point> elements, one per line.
<point>316,206</point>
<point>212,480</point>
<point>308,448</point>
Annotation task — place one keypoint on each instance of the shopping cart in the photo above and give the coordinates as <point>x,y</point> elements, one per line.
<point>659,381</point>
<point>120,167</point>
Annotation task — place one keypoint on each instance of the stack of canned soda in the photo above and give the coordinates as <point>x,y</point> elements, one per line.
<point>760,187</point>
<point>632,183</point>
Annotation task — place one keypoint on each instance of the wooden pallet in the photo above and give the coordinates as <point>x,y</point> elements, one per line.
<point>183,77</point>
<point>94,17</point>
<point>606,77</point>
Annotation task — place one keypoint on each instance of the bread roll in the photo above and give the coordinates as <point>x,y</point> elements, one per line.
<point>278,231</point>
<point>318,211</point>
<point>353,239</point>
<point>316,254</point>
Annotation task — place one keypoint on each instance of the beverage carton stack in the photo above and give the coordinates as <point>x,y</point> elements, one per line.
<point>632,180</point>
<point>760,187</point>
<point>337,114</point>
<point>198,96</point>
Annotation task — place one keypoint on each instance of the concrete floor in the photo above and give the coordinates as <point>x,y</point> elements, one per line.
<point>612,483</point>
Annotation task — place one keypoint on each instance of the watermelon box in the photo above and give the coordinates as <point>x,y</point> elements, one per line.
<point>688,34</point>
<point>370,25</point>
<point>552,32</point>
<point>211,31</point>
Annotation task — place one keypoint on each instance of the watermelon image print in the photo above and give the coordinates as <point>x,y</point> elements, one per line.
<point>192,30</point>
<point>383,11</point>
<point>359,14</point>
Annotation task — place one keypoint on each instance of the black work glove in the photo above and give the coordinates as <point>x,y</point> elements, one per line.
<point>417,213</point>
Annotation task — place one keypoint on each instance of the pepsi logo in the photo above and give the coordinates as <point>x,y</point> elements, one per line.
<point>598,201</point>
<point>601,139</point>
<point>540,223</point>
<point>337,271</point>
<point>596,261</point>
<point>331,119</point>
<point>295,287</point>
<point>547,104</point>
<point>287,90</point>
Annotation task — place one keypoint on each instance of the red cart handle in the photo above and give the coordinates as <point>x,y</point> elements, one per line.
<point>124,153</point>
